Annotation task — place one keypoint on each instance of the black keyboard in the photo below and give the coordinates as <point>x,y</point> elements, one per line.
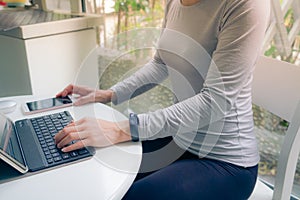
<point>46,127</point>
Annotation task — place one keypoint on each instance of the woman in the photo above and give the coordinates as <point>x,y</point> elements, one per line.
<point>203,146</point>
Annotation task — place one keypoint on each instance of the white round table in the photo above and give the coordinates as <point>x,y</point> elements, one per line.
<point>107,175</point>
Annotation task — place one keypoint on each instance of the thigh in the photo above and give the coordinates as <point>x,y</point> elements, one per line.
<point>158,154</point>
<point>196,179</point>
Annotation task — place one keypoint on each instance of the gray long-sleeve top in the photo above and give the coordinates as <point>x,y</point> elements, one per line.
<point>208,50</point>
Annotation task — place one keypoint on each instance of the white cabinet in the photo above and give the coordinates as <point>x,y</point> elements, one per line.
<point>43,58</point>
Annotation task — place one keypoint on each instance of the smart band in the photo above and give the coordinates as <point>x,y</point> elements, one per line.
<point>134,122</point>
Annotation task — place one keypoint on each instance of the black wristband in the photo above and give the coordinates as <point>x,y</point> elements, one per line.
<point>134,122</point>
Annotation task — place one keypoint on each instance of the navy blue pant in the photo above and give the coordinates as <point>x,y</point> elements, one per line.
<point>189,177</point>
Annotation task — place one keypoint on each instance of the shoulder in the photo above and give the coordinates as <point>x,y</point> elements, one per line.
<point>247,5</point>
<point>169,4</point>
<point>169,8</point>
<point>253,10</point>
<point>247,2</point>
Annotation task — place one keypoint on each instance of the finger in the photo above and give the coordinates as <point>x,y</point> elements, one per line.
<point>68,90</point>
<point>59,136</point>
<point>71,133</point>
<point>70,137</point>
<point>63,133</point>
<point>78,145</point>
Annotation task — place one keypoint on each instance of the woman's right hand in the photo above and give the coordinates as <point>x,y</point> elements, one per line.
<point>86,94</point>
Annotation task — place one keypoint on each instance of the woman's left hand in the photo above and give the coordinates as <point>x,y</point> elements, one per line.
<point>92,132</point>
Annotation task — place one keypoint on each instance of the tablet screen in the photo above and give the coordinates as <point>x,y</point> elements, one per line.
<point>8,140</point>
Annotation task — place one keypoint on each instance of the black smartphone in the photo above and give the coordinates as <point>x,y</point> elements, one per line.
<point>46,104</point>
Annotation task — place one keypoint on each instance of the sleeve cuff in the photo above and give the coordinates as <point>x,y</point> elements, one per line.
<point>134,122</point>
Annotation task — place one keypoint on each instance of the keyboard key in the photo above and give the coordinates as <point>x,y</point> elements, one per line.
<point>38,132</point>
<point>49,140</point>
<point>52,147</point>
<point>51,143</point>
<point>65,124</point>
<point>55,154</point>
<point>73,153</point>
<point>65,156</point>
<point>57,159</point>
<point>45,149</point>
<point>82,151</point>
<point>59,127</point>
<point>53,151</point>
<point>41,138</point>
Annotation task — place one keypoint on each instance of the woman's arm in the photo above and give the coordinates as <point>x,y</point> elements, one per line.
<point>239,43</point>
<point>150,75</point>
